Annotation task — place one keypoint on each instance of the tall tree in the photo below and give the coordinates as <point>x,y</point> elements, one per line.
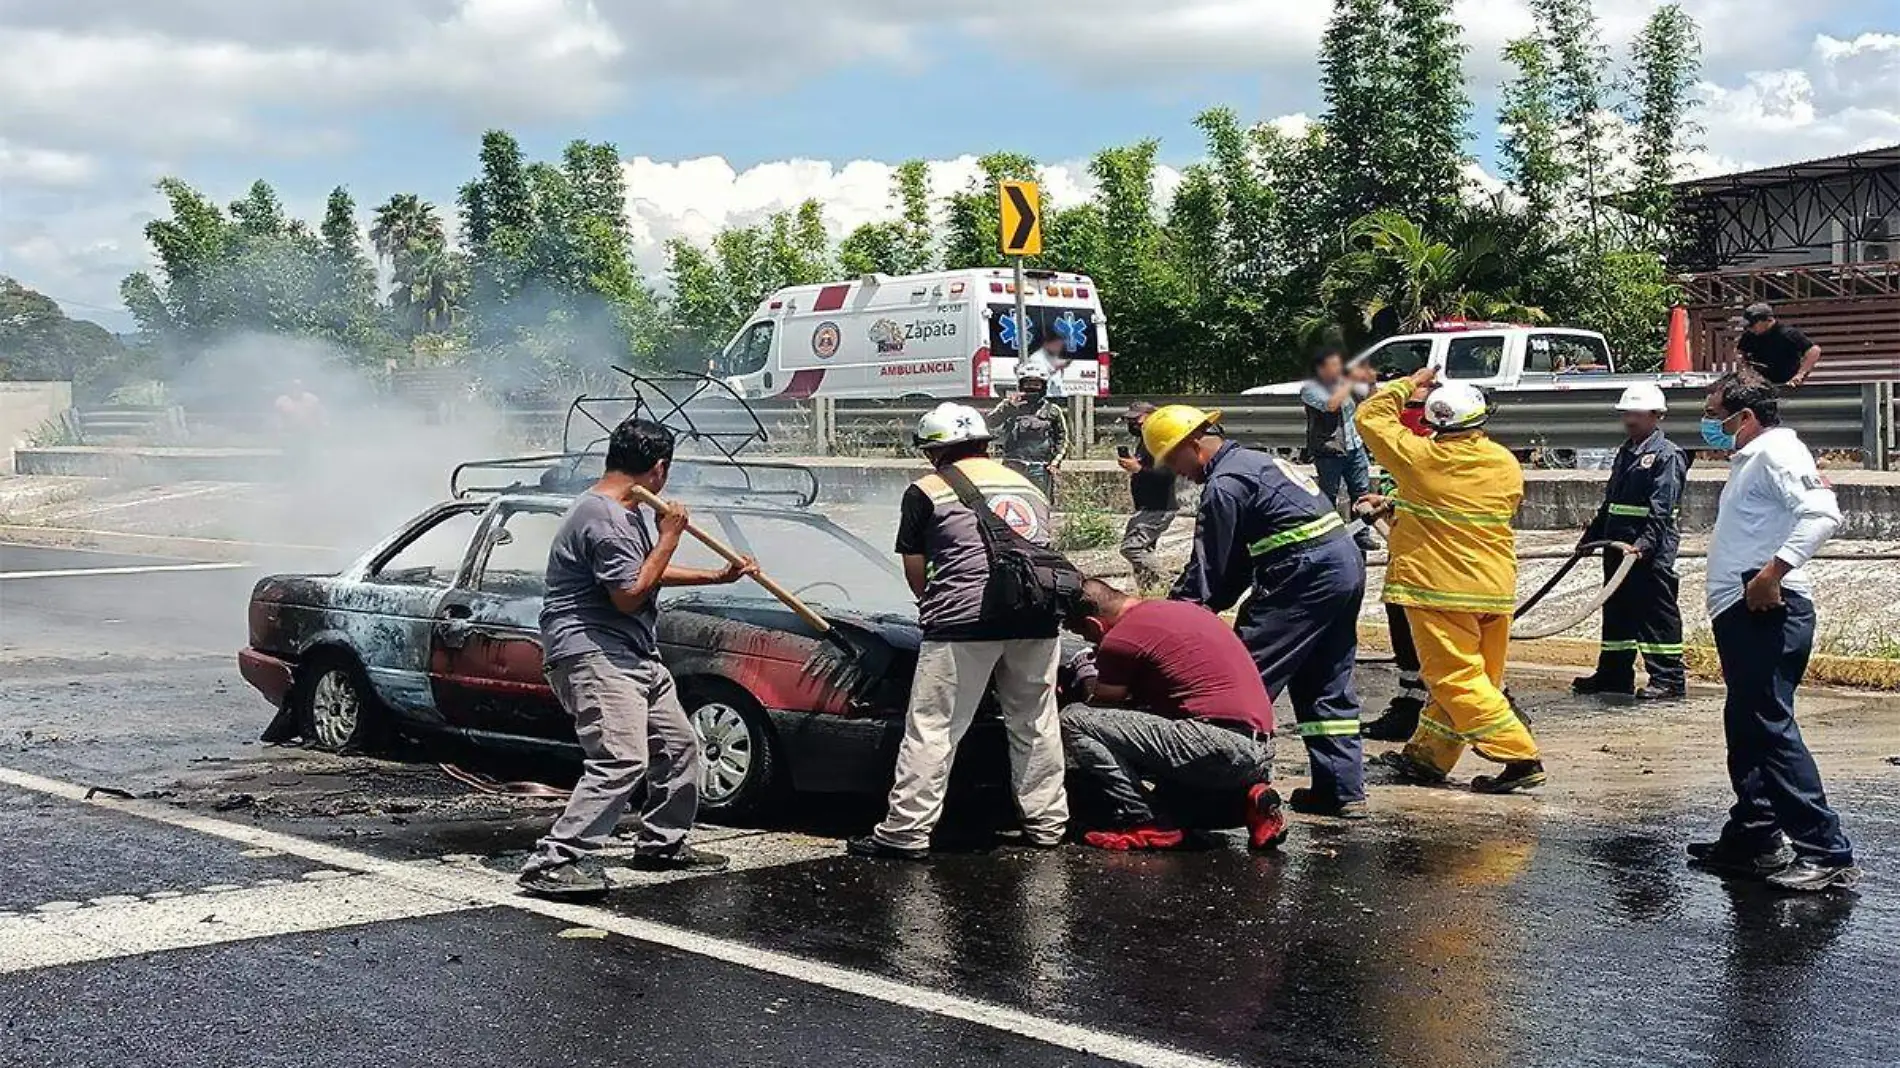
<point>1431,113</point>
<point>1664,62</point>
<point>1360,77</point>
<point>1530,137</point>
<point>973,215</point>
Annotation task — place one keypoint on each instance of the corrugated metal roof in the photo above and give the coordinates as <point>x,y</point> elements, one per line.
<point>1874,159</point>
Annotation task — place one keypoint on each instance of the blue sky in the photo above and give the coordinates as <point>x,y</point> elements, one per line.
<point>727,109</point>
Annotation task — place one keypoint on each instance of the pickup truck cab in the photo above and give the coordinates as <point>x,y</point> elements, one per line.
<point>1505,357</point>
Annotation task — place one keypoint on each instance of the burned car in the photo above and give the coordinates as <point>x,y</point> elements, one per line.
<point>434,634</point>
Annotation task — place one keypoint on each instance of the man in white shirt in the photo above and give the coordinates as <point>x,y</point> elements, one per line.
<point>1776,513</point>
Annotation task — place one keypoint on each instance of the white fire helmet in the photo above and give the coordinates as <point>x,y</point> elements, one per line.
<point>1643,397</point>
<point>950,423</point>
<point>1033,366</point>
<point>1456,406</point>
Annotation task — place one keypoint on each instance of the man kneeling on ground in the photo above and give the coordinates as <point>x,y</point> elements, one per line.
<point>1177,701</point>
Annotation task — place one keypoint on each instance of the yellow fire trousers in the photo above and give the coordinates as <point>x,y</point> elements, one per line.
<point>1461,656</point>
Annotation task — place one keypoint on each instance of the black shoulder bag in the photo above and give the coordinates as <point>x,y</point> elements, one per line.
<point>1026,580</point>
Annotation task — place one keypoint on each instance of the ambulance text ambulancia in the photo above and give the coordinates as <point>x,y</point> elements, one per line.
<point>943,334</point>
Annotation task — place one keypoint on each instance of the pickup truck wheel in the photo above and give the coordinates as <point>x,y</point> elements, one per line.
<point>337,708</point>
<point>742,766</point>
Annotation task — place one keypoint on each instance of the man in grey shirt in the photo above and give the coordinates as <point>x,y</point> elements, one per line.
<point>1331,399</point>
<point>599,639</point>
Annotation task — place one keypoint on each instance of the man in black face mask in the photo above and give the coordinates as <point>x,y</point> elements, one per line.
<point>1153,490</point>
<point>1033,430</point>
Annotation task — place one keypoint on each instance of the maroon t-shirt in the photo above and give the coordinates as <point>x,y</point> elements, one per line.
<point>1179,660</point>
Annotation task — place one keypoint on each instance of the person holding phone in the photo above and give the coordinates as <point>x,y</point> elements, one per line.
<point>1153,490</point>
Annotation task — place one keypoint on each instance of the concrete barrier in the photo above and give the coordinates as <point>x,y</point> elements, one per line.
<point>25,407</point>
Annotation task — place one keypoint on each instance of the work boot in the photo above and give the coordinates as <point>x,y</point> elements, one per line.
<point>1128,839</point>
<point>685,858</point>
<point>1729,856</point>
<point>1408,770</point>
<point>1397,723</point>
<point>1659,692</point>
<point>871,847</point>
<point>1017,838</point>
<point>1310,802</point>
<point>565,882</point>
<point>1517,776</point>
<point>1810,876</point>
<point>1590,685</point>
<point>1266,823</point>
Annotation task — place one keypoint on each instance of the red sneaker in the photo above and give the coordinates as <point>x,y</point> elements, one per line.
<point>1134,838</point>
<point>1266,823</point>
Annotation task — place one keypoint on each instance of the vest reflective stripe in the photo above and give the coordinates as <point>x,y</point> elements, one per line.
<point>1307,531</point>
<point>1637,511</point>
<point>1325,728</point>
<point>1475,602</point>
<point>1447,515</point>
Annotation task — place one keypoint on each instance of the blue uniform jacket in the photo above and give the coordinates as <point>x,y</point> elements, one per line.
<point>1248,502</point>
<point>1642,500</point>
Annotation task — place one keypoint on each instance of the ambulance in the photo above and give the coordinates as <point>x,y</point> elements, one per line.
<point>942,334</point>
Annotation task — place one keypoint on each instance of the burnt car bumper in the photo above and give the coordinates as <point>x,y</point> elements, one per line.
<point>267,674</point>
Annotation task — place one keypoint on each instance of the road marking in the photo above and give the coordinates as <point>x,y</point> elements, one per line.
<point>466,886</point>
<point>120,928</point>
<point>133,569</point>
<point>138,501</point>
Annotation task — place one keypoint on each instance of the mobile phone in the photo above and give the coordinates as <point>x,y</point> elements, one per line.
<point>1122,451</point>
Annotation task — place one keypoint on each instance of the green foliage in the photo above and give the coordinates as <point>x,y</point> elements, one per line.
<point>38,343</point>
<point>1086,526</point>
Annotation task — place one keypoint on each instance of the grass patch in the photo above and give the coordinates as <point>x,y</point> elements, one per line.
<point>1086,526</point>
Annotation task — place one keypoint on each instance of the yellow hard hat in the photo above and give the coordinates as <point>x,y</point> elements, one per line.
<point>1169,426</point>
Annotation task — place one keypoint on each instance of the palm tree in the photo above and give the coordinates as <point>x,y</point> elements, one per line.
<point>430,291</point>
<point>405,220</point>
<point>1397,274</point>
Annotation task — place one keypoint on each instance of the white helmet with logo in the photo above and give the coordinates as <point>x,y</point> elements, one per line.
<point>1033,366</point>
<point>1456,406</point>
<point>1643,397</point>
<point>951,423</point>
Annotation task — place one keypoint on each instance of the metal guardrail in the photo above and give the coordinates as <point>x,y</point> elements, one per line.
<point>1844,418</point>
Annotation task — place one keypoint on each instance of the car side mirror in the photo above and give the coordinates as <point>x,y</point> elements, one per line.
<point>501,536</point>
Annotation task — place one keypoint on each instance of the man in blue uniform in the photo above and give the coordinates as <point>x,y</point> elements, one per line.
<point>1264,525</point>
<point>1639,509</point>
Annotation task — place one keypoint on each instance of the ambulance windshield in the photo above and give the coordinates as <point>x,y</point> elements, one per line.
<point>748,352</point>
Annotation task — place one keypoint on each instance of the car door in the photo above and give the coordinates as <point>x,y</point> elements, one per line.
<point>386,615</point>
<point>485,661</point>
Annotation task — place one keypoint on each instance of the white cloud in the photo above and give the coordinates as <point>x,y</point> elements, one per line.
<point>1845,98</point>
<point>43,167</point>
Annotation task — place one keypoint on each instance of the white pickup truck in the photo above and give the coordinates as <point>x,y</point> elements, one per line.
<point>1505,357</point>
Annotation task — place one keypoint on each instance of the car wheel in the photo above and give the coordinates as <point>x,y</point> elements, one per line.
<point>338,710</point>
<point>742,768</point>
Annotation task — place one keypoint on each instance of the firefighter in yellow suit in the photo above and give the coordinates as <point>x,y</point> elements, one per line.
<point>1454,570</point>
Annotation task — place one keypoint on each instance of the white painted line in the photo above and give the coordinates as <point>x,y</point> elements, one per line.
<point>122,928</point>
<point>133,569</point>
<point>470,886</point>
<point>138,501</point>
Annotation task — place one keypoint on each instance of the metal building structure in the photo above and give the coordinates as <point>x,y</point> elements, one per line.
<point>1819,240</point>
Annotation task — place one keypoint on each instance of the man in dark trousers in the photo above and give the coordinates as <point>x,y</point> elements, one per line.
<point>1032,429</point>
<point>599,638</point>
<point>1330,398</point>
<point>1779,353</point>
<point>1152,487</point>
<point>1175,699</point>
<point>1640,505</point>
<point>1264,526</point>
<point>1776,513</point>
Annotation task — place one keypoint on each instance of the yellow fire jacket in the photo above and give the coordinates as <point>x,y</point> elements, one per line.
<point>1452,545</point>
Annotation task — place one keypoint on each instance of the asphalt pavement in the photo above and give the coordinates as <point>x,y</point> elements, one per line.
<point>261,906</point>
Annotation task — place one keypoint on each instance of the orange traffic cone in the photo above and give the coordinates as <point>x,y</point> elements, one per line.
<point>1676,352</point>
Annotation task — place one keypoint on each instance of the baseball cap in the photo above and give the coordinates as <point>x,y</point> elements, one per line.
<point>1138,409</point>
<point>1756,313</point>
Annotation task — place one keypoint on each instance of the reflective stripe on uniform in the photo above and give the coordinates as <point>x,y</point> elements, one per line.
<point>1472,602</point>
<point>1638,511</point>
<point>1321,728</point>
<point>1655,649</point>
<point>1325,524</point>
<point>1448,515</point>
<point>1476,734</point>
<point>1617,647</point>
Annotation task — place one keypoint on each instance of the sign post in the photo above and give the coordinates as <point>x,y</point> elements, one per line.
<point>1021,237</point>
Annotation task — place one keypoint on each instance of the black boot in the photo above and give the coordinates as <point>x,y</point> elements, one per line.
<point>1517,776</point>
<point>1398,723</point>
<point>1733,857</point>
<point>1594,684</point>
<point>1657,691</point>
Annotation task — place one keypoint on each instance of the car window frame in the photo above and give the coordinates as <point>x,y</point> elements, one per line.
<point>1502,342</point>
<point>482,547</point>
<point>379,558</point>
<point>1371,355</point>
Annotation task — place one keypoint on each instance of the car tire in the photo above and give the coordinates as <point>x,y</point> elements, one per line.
<point>335,705</point>
<point>744,771</point>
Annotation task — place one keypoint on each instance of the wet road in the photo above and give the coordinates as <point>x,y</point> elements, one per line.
<point>355,910</point>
